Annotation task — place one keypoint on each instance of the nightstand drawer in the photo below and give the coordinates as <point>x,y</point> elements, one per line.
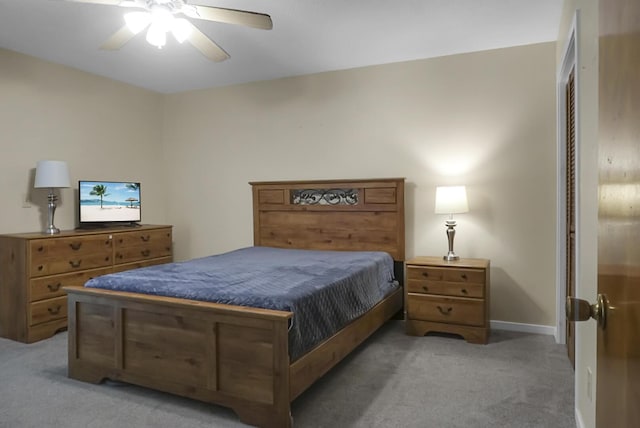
<point>449,310</point>
<point>446,288</point>
<point>460,275</point>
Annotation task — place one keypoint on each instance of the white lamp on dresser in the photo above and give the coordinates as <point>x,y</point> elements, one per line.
<point>51,174</point>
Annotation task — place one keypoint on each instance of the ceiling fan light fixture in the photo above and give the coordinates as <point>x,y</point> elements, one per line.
<point>137,21</point>
<point>181,29</point>
<point>162,17</point>
<point>156,36</point>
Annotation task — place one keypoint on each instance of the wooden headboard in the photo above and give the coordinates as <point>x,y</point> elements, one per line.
<point>355,215</point>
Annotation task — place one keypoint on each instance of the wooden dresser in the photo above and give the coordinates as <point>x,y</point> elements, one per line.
<point>450,297</point>
<point>35,267</point>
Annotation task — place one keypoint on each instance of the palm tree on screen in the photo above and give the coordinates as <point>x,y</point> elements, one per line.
<point>133,186</point>
<point>99,190</point>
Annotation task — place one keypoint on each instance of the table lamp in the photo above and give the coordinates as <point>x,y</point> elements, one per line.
<point>51,174</point>
<point>451,200</point>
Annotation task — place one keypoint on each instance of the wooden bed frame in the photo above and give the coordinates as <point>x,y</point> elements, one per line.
<point>238,356</point>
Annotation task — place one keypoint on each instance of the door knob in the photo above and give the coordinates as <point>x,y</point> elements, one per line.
<point>581,310</point>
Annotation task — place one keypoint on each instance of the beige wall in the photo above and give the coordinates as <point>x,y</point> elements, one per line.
<point>587,197</point>
<point>486,120</point>
<point>104,130</point>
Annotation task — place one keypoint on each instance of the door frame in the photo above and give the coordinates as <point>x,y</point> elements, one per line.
<point>569,61</point>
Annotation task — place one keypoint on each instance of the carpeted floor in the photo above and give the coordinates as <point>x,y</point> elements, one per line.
<point>392,380</point>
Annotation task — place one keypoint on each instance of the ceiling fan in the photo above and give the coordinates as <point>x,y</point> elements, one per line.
<point>163,16</point>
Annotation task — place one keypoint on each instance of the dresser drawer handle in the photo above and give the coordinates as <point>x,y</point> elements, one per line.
<point>464,291</point>
<point>119,256</point>
<point>54,287</point>
<point>425,288</point>
<point>40,248</point>
<point>75,264</point>
<point>463,276</point>
<point>145,253</point>
<point>75,246</point>
<point>40,268</point>
<point>444,311</point>
<point>145,238</point>
<point>54,311</point>
<point>425,273</point>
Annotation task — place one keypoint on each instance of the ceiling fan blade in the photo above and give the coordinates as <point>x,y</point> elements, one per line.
<point>118,39</point>
<point>229,16</point>
<point>206,46</point>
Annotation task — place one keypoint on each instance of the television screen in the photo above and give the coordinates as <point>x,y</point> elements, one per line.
<point>109,202</point>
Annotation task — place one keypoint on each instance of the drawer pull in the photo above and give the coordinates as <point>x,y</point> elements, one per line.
<point>40,248</point>
<point>145,238</point>
<point>75,246</point>
<point>119,256</point>
<point>425,273</point>
<point>75,264</point>
<point>425,288</point>
<point>145,253</point>
<point>464,291</point>
<point>463,276</point>
<point>54,311</point>
<point>54,287</point>
<point>444,311</point>
<point>40,268</point>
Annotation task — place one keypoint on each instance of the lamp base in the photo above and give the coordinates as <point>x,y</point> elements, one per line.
<point>451,257</point>
<point>451,233</point>
<point>51,230</point>
<point>51,210</point>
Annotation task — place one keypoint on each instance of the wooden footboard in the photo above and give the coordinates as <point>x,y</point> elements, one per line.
<point>229,355</point>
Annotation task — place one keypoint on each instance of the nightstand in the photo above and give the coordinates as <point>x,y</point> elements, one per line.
<point>448,296</point>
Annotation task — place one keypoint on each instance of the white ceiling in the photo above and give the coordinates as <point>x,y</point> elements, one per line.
<point>308,36</point>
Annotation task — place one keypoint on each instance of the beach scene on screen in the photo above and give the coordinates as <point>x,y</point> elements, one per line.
<point>103,201</point>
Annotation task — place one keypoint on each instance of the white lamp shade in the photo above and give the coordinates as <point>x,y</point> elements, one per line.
<point>51,173</point>
<point>451,200</point>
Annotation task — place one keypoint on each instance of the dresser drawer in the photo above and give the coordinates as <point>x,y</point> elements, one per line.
<point>44,249</point>
<point>70,263</point>
<point>48,310</point>
<point>132,254</point>
<point>461,275</point>
<point>451,310</point>
<point>51,286</point>
<point>446,288</point>
<point>142,263</point>
<point>159,238</point>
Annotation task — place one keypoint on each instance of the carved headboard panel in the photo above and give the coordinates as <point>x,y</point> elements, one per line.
<point>355,215</point>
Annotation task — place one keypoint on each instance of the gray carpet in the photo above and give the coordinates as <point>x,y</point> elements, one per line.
<point>392,380</point>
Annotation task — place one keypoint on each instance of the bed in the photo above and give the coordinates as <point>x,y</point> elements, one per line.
<point>239,356</point>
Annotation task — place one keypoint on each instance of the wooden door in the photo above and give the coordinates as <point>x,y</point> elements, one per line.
<point>570,201</point>
<point>618,360</point>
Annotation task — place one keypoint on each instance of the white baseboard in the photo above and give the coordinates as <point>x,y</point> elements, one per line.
<point>523,328</point>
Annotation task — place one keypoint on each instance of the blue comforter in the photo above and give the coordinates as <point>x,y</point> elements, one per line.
<point>324,290</point>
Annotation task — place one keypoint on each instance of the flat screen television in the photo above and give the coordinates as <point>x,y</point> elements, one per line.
<point>105,203</point>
